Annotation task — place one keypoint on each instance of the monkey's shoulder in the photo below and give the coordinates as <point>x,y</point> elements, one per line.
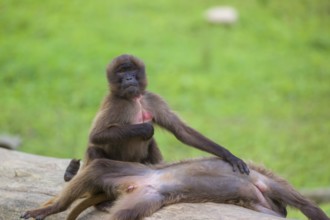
<point>115,111</point>
<point>153,99</point>
<point>151,96</point>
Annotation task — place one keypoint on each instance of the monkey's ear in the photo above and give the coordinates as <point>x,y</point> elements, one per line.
<point>111,74</point>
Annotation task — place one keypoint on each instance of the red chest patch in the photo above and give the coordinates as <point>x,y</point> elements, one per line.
<point>146,116</point>
<point>142,116</point>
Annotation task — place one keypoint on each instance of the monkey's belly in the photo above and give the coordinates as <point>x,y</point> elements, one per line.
<point>215,171</point>
<point>134,150</point>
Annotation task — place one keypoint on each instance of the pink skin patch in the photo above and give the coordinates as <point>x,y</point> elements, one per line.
<point>130,188</point>
<point>261,188</point>
<point>146,116</point>
<point>142,116</point>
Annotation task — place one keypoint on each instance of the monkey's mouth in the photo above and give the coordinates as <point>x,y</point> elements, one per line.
<point>131,90</point>
<point>131,85</point>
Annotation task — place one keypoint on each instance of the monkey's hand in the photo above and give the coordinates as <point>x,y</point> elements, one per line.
<point>237,164</point>
<point>147,131</point>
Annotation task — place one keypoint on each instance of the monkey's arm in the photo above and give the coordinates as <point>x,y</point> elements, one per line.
<point>164,117</point>
<point>120,133</point>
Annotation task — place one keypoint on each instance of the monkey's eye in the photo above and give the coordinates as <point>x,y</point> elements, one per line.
<point>123,69</point>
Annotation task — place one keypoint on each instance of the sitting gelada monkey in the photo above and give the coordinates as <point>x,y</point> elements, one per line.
<point>138,190</point>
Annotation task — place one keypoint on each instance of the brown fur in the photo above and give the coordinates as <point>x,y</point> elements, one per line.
<point>123,127</point>
<point>138,190</point>
<point>86,203</point>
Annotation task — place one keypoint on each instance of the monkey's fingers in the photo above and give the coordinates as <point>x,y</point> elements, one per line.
<point>240,165</point>
<point>243,168</point>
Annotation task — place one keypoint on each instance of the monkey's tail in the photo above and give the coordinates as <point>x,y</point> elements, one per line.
<point>282,191</point>
<point>86,203</point>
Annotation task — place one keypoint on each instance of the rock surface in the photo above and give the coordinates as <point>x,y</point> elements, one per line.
<point>28,180</point>
<point>10,141</point>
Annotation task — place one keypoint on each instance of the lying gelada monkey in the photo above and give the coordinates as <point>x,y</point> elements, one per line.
<point>138,190</point>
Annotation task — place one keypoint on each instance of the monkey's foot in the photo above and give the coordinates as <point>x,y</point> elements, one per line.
<point>71,170</point>
<point>37,214</point>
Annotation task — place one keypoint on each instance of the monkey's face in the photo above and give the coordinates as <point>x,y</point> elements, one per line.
<point>126,76</point>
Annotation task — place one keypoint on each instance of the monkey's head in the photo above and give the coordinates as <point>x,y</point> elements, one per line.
<point>126,76</point>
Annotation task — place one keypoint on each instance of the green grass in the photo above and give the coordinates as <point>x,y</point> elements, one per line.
<point>260,88</point>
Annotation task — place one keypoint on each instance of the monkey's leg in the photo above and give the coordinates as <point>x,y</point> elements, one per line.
<point>49,201</point>
<point>137,205</point>
<point>279,193</point>
<point>69,173</point>
<point>282,191</point>
<point>63,202</point>
<point>86,203</point>
<point>77,187</point>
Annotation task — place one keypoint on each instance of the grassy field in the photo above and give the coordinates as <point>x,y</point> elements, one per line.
<point>260,88</point>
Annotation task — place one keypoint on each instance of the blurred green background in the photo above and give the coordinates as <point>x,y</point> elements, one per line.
<point>261,87</point>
